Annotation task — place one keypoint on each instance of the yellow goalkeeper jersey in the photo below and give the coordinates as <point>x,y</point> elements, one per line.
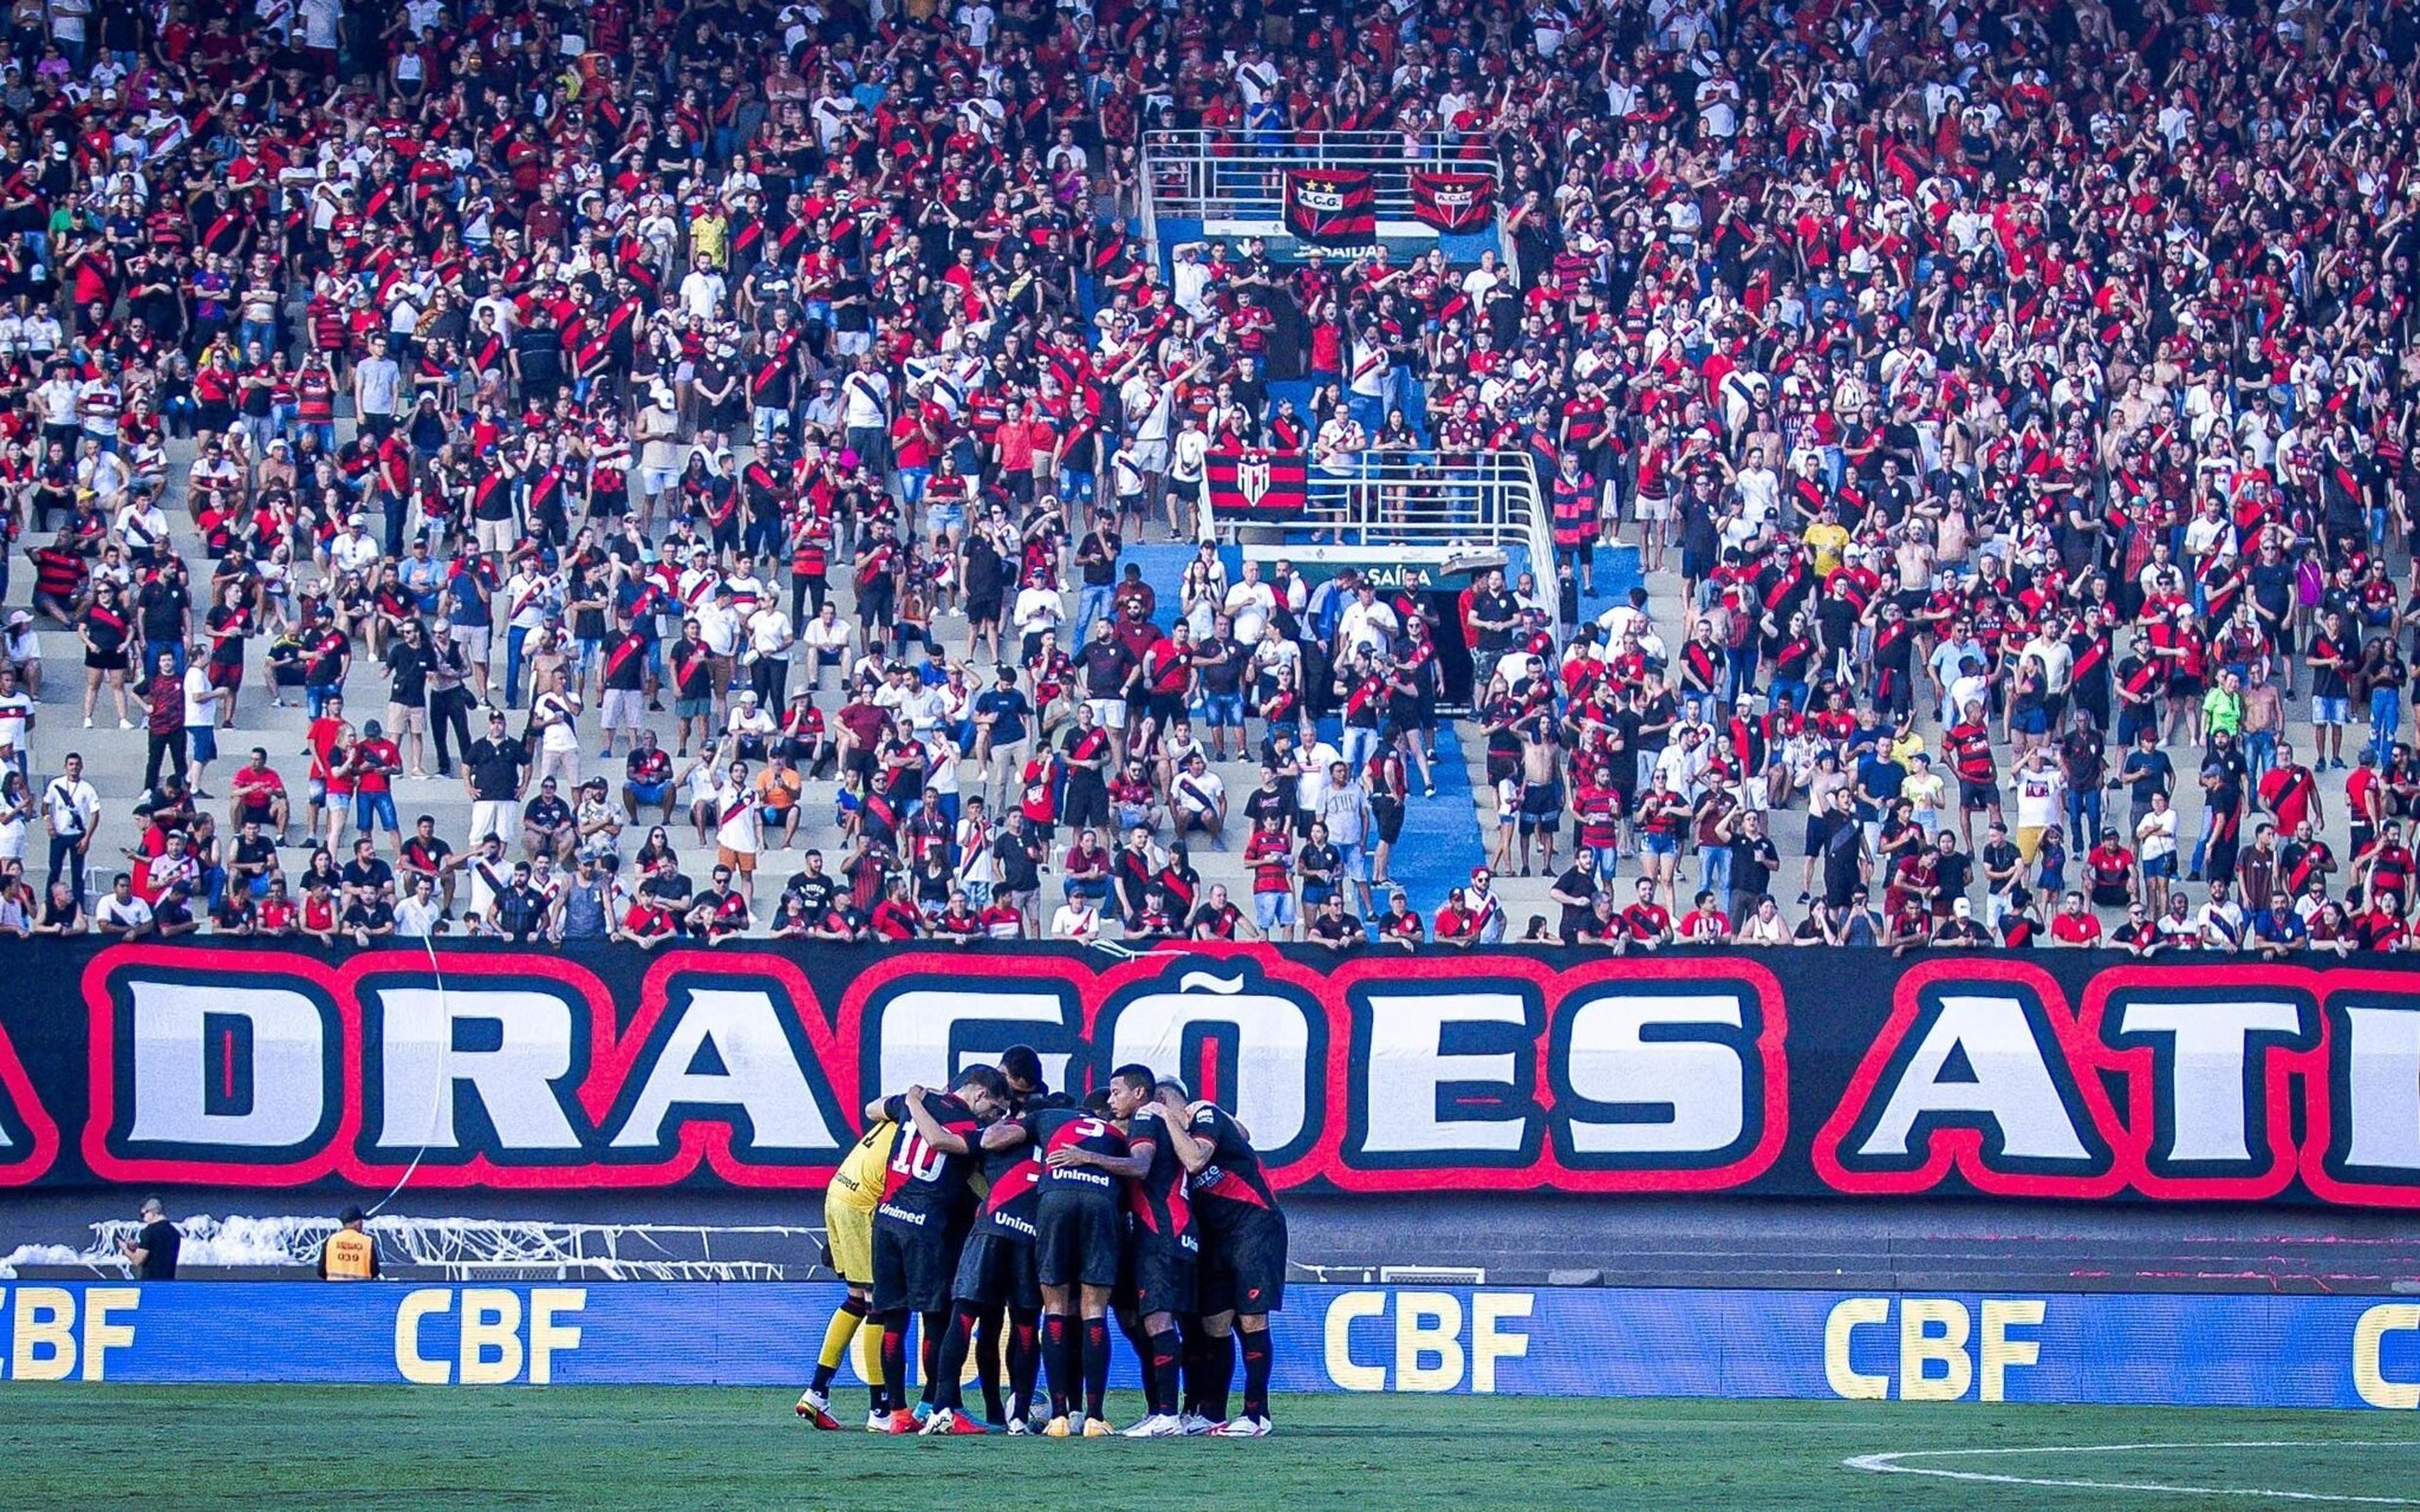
<point>859,1180</point>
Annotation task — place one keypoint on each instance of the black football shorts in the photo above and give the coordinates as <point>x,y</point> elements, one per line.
<point>911,1269</point>
<point>997,1271</point>
<point>1163,1275</point>
<point>1243,1265</point>
<point>1079,1242</point>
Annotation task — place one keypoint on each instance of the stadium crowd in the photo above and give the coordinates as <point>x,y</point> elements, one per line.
<point>720,427</point>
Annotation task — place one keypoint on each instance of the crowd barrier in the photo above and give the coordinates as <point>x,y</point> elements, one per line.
<point>2176,1351</point>
<point>1818,1074</point>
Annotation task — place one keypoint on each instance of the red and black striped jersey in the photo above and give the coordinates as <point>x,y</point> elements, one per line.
<point>1158,1200</point>
<point>1232,1183</point>
<point>922,1181</point>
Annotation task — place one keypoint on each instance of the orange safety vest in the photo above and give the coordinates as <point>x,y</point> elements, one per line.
<point>351,1255</point>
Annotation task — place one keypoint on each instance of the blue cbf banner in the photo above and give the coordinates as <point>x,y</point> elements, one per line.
<point>2179,1350</point>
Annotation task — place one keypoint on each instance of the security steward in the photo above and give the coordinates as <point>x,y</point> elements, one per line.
<point>349,1253</point>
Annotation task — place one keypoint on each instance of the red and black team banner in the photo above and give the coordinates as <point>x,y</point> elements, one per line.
<point>1257,484</point>
<point>1331,204</point>
<point>1456,202</point>
<point>2054,1075</point>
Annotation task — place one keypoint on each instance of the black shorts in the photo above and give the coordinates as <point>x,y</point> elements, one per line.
<point>1390,813</point>
<point>1977,796</point>
<point>1079,1241</point>
<point>1165,1275</point>
<point>1244,1266</point>
<point>911,1267</point>
<point>994,1269</point>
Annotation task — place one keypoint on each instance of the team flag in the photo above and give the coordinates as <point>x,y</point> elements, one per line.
<point>1457,202</point>
<point>1258,484</point>
<point>1331,204</point>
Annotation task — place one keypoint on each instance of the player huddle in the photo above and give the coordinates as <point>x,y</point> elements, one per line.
<point>1016,1222</point>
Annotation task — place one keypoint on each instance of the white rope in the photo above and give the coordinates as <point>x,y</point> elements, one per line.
<point>436,1094</point>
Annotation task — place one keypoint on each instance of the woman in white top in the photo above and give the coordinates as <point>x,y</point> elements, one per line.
<point>1765,926</point>
<point>16,813</point>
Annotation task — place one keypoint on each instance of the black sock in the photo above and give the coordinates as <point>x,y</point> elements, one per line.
<point>988,1363</point>
<point>1166,1350</point>
<point>1024,1361</point>
<point>1130,1324</point>
<point>1219,1373</point>
<point>1063,1364</point>
<point>1096,1365</point>
<point>928,1354</point>
<point>894,1358</point>
<point>1256,1374</point>
<point>950,1360</point>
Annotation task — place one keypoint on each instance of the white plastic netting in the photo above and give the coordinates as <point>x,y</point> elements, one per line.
<point>471,1247</point>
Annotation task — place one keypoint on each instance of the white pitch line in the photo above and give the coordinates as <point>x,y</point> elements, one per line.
<point>1890,1464</point>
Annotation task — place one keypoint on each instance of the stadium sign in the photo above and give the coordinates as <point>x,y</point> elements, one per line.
<point>2266,1352</point>
<point>2049,1076</point>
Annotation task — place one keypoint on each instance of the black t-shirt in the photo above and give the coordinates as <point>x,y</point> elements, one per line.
<point>1344,927</point>
<point>159,1242</point>
<point>163,604</point>
<point>407,666</point>
<point>1108,664</point>
<point>1998,855</point>
<point>2148,773</point>
<point>816,890</point>
<point>1262,802</point>
<point>1017,871</point>
<point>373,873</point>
<point>496,768</point>
<point>1576,883</point>
<point>1753,862</point>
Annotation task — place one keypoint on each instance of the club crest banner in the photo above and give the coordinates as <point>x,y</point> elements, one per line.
<point>1334,206</point>
<point>1453,202</point>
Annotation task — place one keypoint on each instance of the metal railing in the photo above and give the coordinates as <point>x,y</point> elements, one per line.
<point>1240,175</point>
<point>1425,500</point>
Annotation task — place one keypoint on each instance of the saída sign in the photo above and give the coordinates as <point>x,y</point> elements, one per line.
<point>2023,1075</point>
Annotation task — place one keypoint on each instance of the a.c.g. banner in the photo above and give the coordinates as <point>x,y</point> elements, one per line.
<point>1818,1074</point>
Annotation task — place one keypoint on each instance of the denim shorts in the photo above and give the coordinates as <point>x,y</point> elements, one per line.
<point>1656,844</point>
<point>374,806</point>
<point>1272,910</point>
<point>1224,711</point>
<point>2331,711</point>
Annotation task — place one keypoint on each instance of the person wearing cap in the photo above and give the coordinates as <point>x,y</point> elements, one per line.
<point>494,772</point>
<point>20,652</point>
<point>349,1253</point>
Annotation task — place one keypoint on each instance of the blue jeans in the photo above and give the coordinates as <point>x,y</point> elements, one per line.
<point>151,650</point>
<point>315,696</point>
<point>2083,818</point>
<point>2259,753</point>
<point>513,637</point>
<point>1093,604</point>
<point>1360,743</point>
<point>1715,873</point>
<point>2385,716</point>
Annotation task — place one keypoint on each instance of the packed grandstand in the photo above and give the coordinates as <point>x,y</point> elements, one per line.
<point>680,472</point>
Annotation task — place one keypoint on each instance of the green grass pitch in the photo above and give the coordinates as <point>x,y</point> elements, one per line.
<point>603,1450</point>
